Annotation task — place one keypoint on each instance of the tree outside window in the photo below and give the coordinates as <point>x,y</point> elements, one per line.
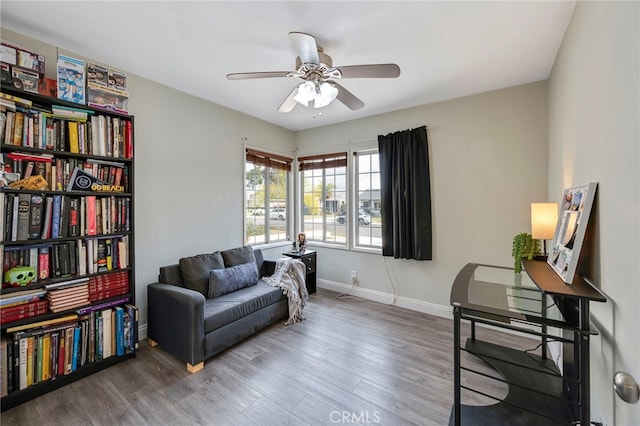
<point>266,197</point>
<point>324,195</point>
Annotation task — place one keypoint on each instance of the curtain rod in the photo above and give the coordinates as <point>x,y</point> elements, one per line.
<point>372,139</point>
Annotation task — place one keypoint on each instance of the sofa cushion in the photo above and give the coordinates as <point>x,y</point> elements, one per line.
<point>223,281</point>
<point>195,270</point>
<point>238,256</point>
<point>230,307</point>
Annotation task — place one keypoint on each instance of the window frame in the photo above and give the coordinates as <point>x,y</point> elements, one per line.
<point>323,162</point>
<point>268,160</point>
<point>355,199</point>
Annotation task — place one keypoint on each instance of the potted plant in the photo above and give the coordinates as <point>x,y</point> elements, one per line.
<point>523,246</point>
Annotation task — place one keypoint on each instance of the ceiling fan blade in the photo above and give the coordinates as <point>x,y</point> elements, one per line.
<point>289,103</point>
<point>347,98</point>
<point>268,74</point>
<point>305,45</point>
<point>370,71</point>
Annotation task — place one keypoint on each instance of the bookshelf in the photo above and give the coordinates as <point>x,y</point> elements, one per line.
<point>67,304</point>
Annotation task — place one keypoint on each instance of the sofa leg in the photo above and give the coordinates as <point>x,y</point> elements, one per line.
<point>195,368</point>
<point>151,342</point>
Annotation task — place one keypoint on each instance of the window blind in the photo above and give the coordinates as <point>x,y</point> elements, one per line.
<point>270,160</point>
<point>323,161</point>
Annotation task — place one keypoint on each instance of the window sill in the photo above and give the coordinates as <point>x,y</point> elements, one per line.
<point>267,246</point>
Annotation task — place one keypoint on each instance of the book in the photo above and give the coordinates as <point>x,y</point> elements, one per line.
<point>11,366</point>
<point>24,352</point>
<point>24,208</point>
<point>84,342</point>
<point>101,306</point>
<point>74,220</point>
<point>34,325</point>
<point>64,216</point>
<point>46,221</point>
<point>61,353</point>
<point>55,218</point>
<point>91,215</point>
<point>35,216</point>
<point>27,310</point>
<point>8,216</point>
<point>46,357</point>
<point>92,336</point>
<point>74,138</point>
<point>76,348</point>
<point>119,330</point>
<point>106,333</point>
<point>55,350</point>
<point>127,331</point>
<point>43,263</point>
<point>18,128</point>
<point>134,318</point>
<point>99,335</point>
<point>37,359</point>
<point>69,338</point>
<point>67,284</point>
<point>4,362</point>
<point>14,218</point>
<point>30,365</point>
<point>7,299</point>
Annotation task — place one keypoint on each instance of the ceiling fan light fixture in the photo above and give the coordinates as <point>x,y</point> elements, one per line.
<point>326,94</point>
<point>306,93</point>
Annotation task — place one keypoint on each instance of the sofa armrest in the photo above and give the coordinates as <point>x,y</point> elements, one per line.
<point>268,268</point>
<point>176,320</point>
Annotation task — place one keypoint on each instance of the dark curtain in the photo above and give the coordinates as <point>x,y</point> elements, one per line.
<point>405,194</point>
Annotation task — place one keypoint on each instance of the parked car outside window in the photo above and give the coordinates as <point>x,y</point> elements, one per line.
<point>278,214</point>
<point>363,218</point>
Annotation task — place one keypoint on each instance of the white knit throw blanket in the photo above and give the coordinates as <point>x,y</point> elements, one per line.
<point>290,276</point>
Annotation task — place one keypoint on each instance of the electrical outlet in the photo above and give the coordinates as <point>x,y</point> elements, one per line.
<point>354,276</point>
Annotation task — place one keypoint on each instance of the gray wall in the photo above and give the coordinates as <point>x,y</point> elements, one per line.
<point>488,156</point>
<point>594,136</point>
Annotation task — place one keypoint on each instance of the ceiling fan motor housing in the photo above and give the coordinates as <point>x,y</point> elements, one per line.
<point>311,70</point>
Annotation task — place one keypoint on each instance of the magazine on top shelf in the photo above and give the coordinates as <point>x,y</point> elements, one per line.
<point>71,79</point>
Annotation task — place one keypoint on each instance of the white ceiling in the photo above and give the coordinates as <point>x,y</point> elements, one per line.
<point>445,49</point>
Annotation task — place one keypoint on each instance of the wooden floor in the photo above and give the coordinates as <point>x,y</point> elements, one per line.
<point>351,361</point>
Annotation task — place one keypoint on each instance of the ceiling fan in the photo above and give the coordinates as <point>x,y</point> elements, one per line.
<point>316,69</point>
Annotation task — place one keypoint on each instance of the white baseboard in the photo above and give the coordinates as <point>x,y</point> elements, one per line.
<point>142,332</point>
<point>388,299</point>
<point>412,304</point>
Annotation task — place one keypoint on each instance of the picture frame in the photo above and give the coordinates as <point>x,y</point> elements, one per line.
<point>573,218</point>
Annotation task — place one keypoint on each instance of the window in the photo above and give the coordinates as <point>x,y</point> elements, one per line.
<point>324,197</point>
<point>368,232</point>
<point>266,197</point>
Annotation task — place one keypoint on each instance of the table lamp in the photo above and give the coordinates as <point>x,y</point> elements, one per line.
<point>544,217</point>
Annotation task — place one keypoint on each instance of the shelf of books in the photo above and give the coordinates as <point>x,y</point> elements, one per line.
<point>67,303</point>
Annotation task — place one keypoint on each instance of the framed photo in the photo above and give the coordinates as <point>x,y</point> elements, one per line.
<point>575,209</point>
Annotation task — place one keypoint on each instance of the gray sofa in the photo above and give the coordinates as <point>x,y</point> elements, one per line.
<point>209,302</point>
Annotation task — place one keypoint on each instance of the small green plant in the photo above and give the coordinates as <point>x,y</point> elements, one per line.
<point>253,230</point>
<point>523,246</point>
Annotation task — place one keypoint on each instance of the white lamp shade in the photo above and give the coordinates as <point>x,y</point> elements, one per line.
<point>306,93</point>
<point>328,93</point>
<point>544,217</point>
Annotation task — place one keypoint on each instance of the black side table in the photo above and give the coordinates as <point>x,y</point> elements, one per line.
<point>308,257</point>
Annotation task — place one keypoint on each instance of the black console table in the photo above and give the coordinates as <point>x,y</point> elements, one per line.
<point>308,257</point>
<point>538,392</point>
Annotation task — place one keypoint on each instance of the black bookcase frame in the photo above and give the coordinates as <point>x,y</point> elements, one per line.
<point>20,396</point>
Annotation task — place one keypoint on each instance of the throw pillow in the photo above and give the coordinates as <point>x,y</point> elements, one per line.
<point>238,256</point>
<point>223,281</point>
<point>195,270</point>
